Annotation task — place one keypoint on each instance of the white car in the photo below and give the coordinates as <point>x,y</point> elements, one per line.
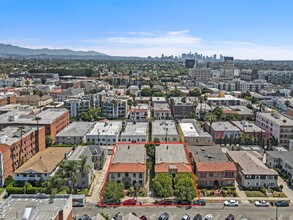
<point>230,203</point>
<point>186,217</point>
<point>262,203</point>
<point>208,217</point>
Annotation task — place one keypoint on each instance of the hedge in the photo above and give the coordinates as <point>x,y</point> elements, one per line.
<point>10,189</point>
<point>27,189</point>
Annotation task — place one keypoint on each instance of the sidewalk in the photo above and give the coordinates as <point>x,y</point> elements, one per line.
<point>286,189</point>
<point>98,183</point>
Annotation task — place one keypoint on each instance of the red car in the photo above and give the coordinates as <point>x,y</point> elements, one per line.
<point>129,202</point>
<point>143,217</point>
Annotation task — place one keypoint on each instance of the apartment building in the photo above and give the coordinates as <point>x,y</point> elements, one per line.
<point>139,112</point>
<point>181,107</point>
<point>252,171</point>
<point>162,111</point>
<point>135,132</point>
<point>165,131</point>
<point>251,129</point>
<point>7,98</point>
<point>192,134</point>
<point>199,74</point>
<point>54,119</point>
<point>114,107</point>
<point>69,93</point>
<point>74,133</point>
<point>253,86</point>
<point>17,145</point>
<point>75,106</point>
<point>276,76</point>
<point>223,100</point>
<point>128,165</point>
<point>105,133</point>
<point>34,100</point>
<point>277,125</point>
<point>222,130</point>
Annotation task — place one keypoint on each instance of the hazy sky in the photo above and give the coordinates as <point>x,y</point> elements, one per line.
<point>245,29</point>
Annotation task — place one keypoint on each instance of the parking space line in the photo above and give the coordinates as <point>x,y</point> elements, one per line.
<point>238,217</point>
<point>217,217</point>
<point>173,217</point>
<point>291,217</point>
<point>280,217</point>
<point>152,217</point>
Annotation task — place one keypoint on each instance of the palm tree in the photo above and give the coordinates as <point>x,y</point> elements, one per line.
<point>205,98</point>
<point>70,168</point>
<point>261,107</point>
<point>200,101</point>
<point>55,184</point>
<point>183,99</point>
<point>27,82</point>
<point>20,130</point>
<point>210,117</point>
<point>83,165</point>
<point>38,119</point>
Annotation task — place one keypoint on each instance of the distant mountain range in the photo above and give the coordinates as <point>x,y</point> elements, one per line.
<point>7,49</point>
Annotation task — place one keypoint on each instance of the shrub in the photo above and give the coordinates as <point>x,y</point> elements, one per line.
<point>263,190</point>
<point>234,193</point>
<point>228,187</point>
<point>10,189</point>
<point>8,180</point>
<point>281,187</point>
<point>224,193</point>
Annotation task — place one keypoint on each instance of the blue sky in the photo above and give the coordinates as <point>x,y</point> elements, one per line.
<point>249,29</point>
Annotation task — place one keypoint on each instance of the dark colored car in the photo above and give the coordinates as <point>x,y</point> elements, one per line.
<point>197,217</point>
<point>282,204</point>
<point>230,217</point>
<point>143,217</point>
<point>84,217</point>
<point>182,202</point>
<point>164,216</point>
<point>201,202</point>
<point>115,216</point>
<point>166,202</point>
<point>129,202</point>
<point>109,203</point>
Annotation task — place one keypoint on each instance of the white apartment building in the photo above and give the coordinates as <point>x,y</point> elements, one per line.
<point>115,107</point>
<point>135,132</point>
<point>276,77</point>
<point>165,131</point>
<point>75,106</point>
<point>277,125</point>
<point>162,111</point>
<point>105,133</point>
<point>252,86</point>
<point>200,74</point>
<point>141,111</point>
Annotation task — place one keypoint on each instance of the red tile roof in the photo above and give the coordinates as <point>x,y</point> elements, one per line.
<point>127,168</point>
<point>215,166</point>
<point>138,110</point>
<point>164,167</point>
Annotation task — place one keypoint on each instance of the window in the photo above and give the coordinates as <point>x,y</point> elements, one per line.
<point>118,174</point>
<point>140,175</point>
<point>211,174</point>
<point>134,174</point>
<point>126,174</point>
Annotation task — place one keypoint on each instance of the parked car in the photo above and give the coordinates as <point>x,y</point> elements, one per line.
<point>282,204</point>
<point>201,202</point>
<point>230,217</point>
<point>84,217</point>
<point>262,203</point>
<point>197,217</point>
<point>143,217</point>
<point>115,216</point>
<point>166,202</point>
<point>164,216</point>
<point>231,203</point>
<point>186,217</point>
<point>129,202</point>
<point>208,217</point>
<point>183,202</point>
<point>116,202</point>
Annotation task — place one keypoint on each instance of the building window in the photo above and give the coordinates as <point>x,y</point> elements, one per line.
<point>211,174</point>
<point>126,174</point>
<point>140,175</point>
<point>134,174</point>
<point>118,174</point>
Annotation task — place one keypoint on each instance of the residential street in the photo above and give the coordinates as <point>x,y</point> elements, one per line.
<point>248,211</point>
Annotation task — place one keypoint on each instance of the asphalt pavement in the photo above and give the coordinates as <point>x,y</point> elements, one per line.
<point>219,212</point>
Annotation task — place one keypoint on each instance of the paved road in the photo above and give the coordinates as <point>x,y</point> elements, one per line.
<point>219,212</point>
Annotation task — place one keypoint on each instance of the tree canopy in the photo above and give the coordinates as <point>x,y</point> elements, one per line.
<point>113,191</point>
<point>163,185</point>
<point>184,187</point>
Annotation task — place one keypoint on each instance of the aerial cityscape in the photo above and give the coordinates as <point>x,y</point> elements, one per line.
<point>146,110</point>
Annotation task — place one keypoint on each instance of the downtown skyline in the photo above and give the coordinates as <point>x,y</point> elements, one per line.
<point>246,30</point>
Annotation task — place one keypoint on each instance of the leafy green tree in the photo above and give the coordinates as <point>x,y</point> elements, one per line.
<point>163,185</point>
<point>158,94</point>
<point>56,184</point>
<point>49,141</point>
<point>27,82</point>
<point>195,92</point>
<point>84,166</point>
<point>43,80</point>
<point>146,92</point>
<point>69,169</point>
<point>206,90</point>
<point>287,103</point>
<point>175,93</point>
<point>184,187</point>
<point>150,149</point>
<point>113,191</point>
<point>210,117</point>
<point>218,112</point>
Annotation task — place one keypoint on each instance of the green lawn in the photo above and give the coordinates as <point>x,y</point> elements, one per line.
<point>254,194</point>
<point>1,190</point>
<point>83,191</point>
<point>279,194</point>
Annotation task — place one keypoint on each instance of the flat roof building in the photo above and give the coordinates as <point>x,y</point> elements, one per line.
<point>75,133</point>
<point>37,206</point>
<point>165,131</point>
<point>135,132</point>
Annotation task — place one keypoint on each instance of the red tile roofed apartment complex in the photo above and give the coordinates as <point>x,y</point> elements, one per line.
<point>172,158</point>
<point>216,174</point>
<point>128,165</point>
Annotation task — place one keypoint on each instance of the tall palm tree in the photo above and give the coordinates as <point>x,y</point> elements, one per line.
<point>20,130</point>
<point>55,184</point>
<point>200,101</point>
<point>83,165</point>
<point>70,168</point>
<point>205,98</point>
<point>38,120</point>
<point>210,117</point>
